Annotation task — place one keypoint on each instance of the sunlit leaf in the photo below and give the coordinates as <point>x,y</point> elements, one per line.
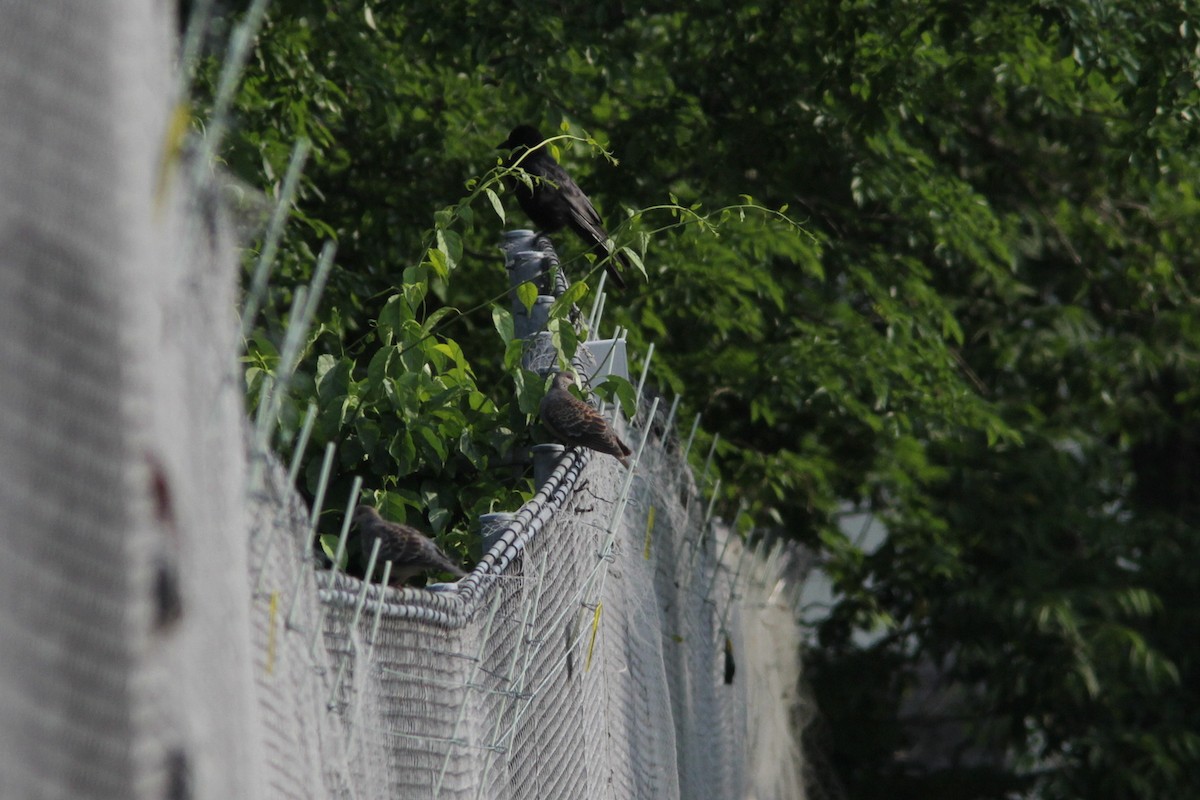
<point>497,206</point>
<point>527,294</point>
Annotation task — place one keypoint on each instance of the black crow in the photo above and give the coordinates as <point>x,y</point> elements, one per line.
<point>555,201</point>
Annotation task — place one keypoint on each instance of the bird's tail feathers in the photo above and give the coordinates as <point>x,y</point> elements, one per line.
<point>625,454</point>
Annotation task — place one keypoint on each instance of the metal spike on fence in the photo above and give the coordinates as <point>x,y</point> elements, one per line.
<point>267,414</point>
<point>703,529</point>
<point>353,629</point>
<point>293,334</point>
<point>240,42</point>
<point>384,582</point>
<point>297,329</point>
<point>594,332</point>
<point>304,307</point>
<point>618,336</point>
<point>258,452</point>
<point>623,498</point>
<point>708,460</point>
<point>352,724</point>
<point>687,448</point>
<point>317,284</point>
<point>314,516</point>
<point>737,573</point>
<point>683,467</point>
<point>637,397</point>
<point>310,417</point>
<point>351,502</point>
<point>730,536</point>
<point>597,305</point>
<point>196,30</point>
<point>671,418</point>
<point>761,547</point>
<point>773,559</point>
<point>288,621</point>
<point>712,501</point>
<point>266,259</point>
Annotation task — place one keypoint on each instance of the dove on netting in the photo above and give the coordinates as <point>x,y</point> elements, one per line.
<point>555,201</point>
<point>410,551</point>
<point>575,423</point>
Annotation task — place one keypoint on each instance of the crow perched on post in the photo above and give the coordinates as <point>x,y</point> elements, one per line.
<point>555,201</point>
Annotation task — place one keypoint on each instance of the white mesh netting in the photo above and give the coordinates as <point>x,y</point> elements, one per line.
<point>164,633</point>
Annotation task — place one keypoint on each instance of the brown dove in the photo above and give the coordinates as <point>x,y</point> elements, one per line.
<point>410,551</point>
<point>575,423</point>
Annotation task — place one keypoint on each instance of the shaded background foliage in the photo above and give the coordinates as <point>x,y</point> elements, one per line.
<point>985,333</point>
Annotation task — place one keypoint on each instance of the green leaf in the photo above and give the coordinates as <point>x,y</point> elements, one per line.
<point>614,387</point>
<point>450,244</point>
<point>513,352</point>
<point>403,451</point>
<point>393,315</point>
<point>377,369</point>
<point>565,339</point>
<point>395,504</point>
<point>574,294</point>
<point>437,259</point>
<point>527,294</point>
<point>497,206</point>
<point>530,389</point>
<point>451,349</point>
<point>333,377</point>
<point>635,259</point>
<point>329,544</point>
<point>503,322</point>
<point>437,448</point>
<point>433,319</point>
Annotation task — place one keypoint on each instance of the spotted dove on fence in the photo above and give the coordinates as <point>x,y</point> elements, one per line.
<point>410,551</point>
<point>575,423</point>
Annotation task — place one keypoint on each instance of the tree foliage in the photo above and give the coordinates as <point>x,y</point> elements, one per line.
<point>983,331</point>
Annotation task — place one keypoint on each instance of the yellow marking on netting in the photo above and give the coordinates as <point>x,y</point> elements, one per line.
<point>595,625</point>
<point>649,531</point>
<point>272,619</point>
<point>172,145</point>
